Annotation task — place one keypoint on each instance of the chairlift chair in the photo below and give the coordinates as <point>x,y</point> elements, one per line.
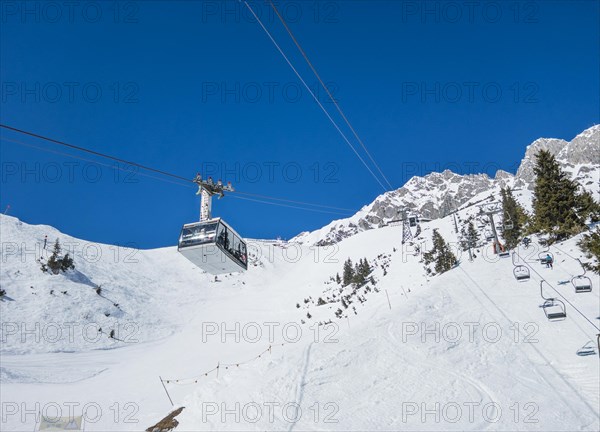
<point>508,224</point>
<point>554,309</point>
<point>582,283</point>
<point>543,256</point>
<point>521,273</point>
<point>588,349</point>
<point>515,259</point>
<point>504,254</point>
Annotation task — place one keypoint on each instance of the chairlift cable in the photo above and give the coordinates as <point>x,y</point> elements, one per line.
<point>563,297</point>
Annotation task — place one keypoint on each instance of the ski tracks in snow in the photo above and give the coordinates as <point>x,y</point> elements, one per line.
<point>301,383</point>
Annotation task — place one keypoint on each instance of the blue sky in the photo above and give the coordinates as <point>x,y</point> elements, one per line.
<point>188,86</point>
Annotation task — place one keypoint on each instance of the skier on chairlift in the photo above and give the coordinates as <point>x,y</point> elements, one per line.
<point>549,261</point>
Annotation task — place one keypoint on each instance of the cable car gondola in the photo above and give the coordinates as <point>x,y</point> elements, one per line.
<point>212,244</point>
<point>582,283</point>
<point>554,308</point>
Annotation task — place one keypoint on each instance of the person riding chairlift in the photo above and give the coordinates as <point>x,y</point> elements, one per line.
<point>549,261</point>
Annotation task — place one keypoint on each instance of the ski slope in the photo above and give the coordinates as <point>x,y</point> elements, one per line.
<point>467,350</point>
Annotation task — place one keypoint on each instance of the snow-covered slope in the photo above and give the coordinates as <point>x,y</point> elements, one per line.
<point>438,194</point>
<point>467,350</point>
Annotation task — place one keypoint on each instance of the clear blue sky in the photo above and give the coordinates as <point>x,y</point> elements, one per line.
<point>190,84</point>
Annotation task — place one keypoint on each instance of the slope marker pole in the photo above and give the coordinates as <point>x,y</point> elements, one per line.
<point>388,298</point>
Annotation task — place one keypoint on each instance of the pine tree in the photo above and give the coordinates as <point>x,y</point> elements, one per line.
<point>559,210</point>
<point>590,245</point>
<point>348,272</point>
<point>362,270</point>
<point>469,236</point>
<point>472,235</point>
<point>67,263</point>
<point>338,279</point>
<point>441,254</point>
<point>512,214</point>
<point>55,263</point>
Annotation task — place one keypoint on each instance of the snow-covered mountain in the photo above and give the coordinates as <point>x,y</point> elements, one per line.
<point>286,346</point>
<point>467,350</point>
<point>438,194</point>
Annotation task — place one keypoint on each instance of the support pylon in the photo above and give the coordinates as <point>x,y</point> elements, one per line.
<point>406,232</point>
<point>206,190</point>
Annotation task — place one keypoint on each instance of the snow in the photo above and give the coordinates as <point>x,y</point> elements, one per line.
<point>467,350</point>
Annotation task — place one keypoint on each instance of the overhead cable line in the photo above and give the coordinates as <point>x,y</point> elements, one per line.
<point>162,172</point>
<point>83,149</point>
<point>313,94</point>
<point>116,166</point>
<point>289,206</point>
<point>328,92</point>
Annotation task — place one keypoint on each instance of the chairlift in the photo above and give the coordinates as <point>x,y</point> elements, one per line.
<point>508,224</point>
<point>588,349</point>
<point>554,309</point>
<point>521,273</point>
<point>413,221</point>
<point>212,244</point>
<point>582,283</point>
<point>515,259</point>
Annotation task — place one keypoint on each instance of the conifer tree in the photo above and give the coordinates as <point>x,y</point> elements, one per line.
<point>590,245</point>
<point>348,273</point>
<point>559,209</point>
<point>512,214</point>
<point>441,254</point>
<point>56,263</point>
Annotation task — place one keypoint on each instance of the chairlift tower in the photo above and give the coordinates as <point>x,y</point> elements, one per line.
<point>406,232</point>
<point>207,189</point>
<point>490,209</point>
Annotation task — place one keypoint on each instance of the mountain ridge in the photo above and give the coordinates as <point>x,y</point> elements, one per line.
<point>438,194</point>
